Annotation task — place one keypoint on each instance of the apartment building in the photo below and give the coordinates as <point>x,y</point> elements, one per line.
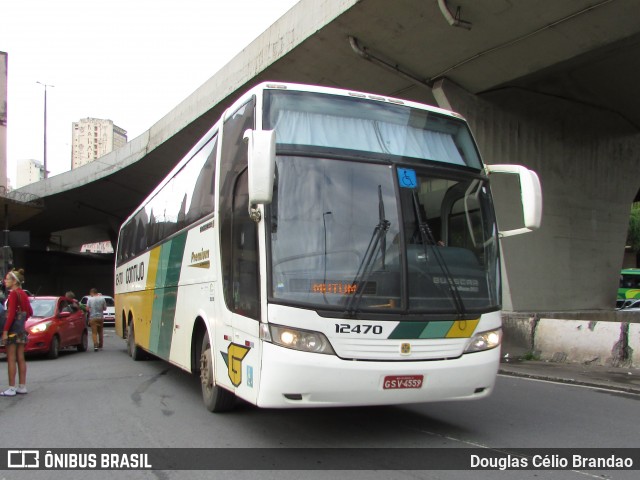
<point>29,171</point>
<point>93,138</point>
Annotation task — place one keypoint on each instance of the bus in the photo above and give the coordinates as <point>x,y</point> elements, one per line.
<point>322,247</point>
<point>629,287</point>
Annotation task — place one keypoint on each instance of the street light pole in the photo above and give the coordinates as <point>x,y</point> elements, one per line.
<point>46,173</point>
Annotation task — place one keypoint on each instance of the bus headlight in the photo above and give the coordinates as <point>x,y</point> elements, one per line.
<point>303,340</point>
<point>485,341</point>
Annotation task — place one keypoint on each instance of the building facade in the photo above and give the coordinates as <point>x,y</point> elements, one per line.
<point>3,118</point>
<point>29,171</point>
<point>99,247</point>
<point>93,138</point>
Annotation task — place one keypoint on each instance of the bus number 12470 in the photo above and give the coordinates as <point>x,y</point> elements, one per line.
<point>364,329</point>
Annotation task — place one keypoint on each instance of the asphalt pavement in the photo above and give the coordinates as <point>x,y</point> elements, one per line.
<point>611,378</point>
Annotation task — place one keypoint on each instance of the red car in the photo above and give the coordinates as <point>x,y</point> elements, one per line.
<point>55,324</point>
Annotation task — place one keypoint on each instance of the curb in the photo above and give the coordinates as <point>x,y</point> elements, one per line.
<point>571,381</point>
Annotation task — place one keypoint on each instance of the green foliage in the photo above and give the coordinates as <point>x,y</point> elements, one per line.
<point>633,236</point>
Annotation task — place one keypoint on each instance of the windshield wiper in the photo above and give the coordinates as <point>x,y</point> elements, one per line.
<point>429,240</point>
<point>379,236</point>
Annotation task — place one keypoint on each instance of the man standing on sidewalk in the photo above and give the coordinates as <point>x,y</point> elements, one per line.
<point>96,306</point>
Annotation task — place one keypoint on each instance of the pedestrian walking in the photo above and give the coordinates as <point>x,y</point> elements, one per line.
<point>96,306</point>
<point>14,334</point>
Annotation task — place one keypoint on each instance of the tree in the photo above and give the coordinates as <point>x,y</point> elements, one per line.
<point>633,235</point>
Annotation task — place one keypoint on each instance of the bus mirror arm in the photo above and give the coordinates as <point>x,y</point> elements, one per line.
<point>531,194</point>
<point>261,150</point>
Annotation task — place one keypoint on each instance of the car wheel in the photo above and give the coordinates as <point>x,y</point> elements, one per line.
<point>54,348</point>
<point>84,343</point>
<point>216,398</point>
<point>134,350</point>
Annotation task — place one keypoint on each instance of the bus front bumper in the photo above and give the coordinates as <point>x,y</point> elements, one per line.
<point>292,379</point>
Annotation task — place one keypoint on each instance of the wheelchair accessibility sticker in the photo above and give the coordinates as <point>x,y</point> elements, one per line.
<point>407,178</point>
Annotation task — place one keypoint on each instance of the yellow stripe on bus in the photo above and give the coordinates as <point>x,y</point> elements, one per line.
<point>140,303</point>
<point>462,328</point>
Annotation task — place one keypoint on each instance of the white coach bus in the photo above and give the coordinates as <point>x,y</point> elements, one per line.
<point>322,247</point>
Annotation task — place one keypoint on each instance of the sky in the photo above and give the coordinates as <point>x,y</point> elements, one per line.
<point>129,61</point>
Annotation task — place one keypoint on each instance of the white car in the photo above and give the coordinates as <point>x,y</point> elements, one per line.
<point>109,313</point>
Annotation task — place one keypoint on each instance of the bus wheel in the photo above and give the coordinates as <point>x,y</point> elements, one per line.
<point>216,399</point>
<point>135,352</point>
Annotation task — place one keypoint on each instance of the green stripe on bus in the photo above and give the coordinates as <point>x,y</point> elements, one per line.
<point>171,294</point>
<point>408,330</point>
<point>436,329</point>
<point>166,292</point>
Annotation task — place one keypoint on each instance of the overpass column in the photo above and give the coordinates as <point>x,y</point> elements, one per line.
<point>588,160</point>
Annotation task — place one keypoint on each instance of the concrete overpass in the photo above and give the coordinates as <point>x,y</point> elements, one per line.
<point>550,85</point>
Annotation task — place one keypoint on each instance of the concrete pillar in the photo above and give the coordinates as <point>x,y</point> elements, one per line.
<point>588,160</point>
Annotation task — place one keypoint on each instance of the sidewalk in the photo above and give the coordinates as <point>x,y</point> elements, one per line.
<point>613,378</point>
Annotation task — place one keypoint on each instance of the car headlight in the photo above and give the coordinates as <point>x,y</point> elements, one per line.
<point>296,339</point>
<point>484,341</point>
<point>41,327</point>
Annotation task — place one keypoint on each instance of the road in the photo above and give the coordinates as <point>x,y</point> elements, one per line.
<point>106,400</point>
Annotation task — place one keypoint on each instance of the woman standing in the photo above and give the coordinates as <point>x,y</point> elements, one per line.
<point>15,339</point>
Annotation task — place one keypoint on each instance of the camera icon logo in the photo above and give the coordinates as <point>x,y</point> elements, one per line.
<point>23,459</point>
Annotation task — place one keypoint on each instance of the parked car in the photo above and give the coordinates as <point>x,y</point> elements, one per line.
<point>54,325</point>
<point>110,312</point>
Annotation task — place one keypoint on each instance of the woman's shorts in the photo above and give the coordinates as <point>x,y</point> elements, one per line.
<point>16,339</point>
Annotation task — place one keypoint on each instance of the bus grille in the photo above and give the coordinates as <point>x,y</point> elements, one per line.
<point>390,350</point>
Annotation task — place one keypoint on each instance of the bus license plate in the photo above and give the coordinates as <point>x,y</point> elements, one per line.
<point>402,381</point>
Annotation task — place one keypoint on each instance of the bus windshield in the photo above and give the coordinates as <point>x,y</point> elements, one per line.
<point>373,237</point>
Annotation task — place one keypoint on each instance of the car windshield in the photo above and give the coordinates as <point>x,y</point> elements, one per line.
<point>109,301</point>
<point>364,236</point>
<point>43,307</point>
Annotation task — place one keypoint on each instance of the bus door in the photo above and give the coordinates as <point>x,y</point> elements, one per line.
<point>240,351</point>
<point>239,355</point>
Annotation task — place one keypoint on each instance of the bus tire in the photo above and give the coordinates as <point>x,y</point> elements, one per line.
<point>215,398</point>
<point>134,350</point>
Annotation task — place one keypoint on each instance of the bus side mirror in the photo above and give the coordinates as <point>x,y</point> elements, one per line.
<point>261,146</point>
<point>531,194</point>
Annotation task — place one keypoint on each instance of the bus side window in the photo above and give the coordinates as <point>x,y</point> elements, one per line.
<point>202,201</point>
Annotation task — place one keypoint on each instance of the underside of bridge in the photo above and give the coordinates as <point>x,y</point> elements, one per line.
<point>550,85</point>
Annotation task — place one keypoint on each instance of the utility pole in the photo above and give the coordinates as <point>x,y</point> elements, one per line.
<point>46,172</point>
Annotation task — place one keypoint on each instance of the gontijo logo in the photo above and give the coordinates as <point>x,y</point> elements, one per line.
<point>134,273</point>
<point>233,358</point>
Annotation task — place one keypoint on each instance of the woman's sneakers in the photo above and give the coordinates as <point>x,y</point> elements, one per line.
<point>9,392</point>
<point>12,391</point>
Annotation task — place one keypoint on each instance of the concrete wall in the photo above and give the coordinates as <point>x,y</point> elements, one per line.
<point>608,339</point>
<point>588,161</point>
